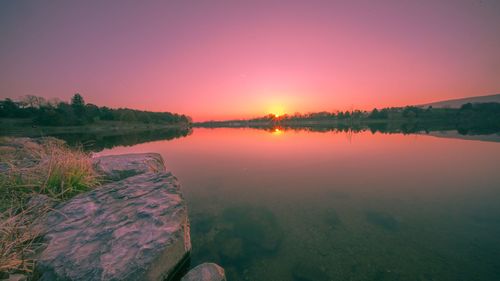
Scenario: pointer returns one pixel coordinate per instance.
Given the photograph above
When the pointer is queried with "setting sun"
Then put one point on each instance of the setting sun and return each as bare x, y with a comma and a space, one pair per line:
277, 111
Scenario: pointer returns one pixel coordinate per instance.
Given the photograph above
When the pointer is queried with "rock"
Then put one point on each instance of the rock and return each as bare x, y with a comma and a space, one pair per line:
4, 167
232, 248
118, 167
383, 220
257, 228
16, 277
205, 272
36, 211
133, 229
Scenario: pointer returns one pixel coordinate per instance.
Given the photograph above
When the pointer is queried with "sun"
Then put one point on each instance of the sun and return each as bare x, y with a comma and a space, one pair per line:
277, 111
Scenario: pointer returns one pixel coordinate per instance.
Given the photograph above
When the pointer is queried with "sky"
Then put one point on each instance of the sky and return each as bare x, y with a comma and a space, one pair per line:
238, 59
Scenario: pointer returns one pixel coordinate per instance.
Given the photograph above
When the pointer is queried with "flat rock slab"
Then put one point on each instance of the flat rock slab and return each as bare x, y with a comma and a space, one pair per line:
133, 229
205, 272
118, 167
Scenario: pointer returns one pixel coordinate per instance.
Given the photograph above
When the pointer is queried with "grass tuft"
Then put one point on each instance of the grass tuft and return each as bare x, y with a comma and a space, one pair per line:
47, 167
29, 167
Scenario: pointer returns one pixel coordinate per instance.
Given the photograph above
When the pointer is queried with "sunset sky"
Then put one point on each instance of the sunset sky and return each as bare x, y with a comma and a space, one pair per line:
238, 59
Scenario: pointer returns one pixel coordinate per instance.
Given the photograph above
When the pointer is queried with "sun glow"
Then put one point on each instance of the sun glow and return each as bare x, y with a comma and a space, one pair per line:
277, 111
277, 131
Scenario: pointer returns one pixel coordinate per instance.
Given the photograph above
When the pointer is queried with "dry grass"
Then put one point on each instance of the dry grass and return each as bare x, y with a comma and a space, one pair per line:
17, 241
45, 166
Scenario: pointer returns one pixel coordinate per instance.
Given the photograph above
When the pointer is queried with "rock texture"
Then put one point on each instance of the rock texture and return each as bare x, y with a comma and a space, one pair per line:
135, 228
205, 272
37, 210
118, 167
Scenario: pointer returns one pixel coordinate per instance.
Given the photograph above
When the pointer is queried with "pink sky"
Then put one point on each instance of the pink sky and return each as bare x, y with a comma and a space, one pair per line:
238, 59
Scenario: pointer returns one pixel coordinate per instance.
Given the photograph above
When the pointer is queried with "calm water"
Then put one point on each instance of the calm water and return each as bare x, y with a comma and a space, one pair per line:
338, 206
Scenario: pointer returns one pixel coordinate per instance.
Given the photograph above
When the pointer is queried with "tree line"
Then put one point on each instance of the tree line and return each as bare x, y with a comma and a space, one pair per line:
469, 112
470, 118
54, 112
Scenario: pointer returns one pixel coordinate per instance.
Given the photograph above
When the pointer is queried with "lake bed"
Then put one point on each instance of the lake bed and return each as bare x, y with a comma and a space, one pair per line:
299, 205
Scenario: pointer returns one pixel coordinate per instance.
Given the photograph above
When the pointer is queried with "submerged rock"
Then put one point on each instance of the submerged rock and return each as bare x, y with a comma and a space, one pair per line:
383, 220
205, 272
257, 227
133, 229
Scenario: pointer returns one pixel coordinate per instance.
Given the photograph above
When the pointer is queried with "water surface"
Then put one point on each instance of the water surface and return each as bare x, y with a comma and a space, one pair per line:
300, 205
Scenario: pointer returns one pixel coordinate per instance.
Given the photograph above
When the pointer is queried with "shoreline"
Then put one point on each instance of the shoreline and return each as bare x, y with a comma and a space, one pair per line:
23, 127
134, 198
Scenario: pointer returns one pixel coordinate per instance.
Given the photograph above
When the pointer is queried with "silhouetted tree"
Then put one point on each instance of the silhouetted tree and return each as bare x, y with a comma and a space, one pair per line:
8, 108
78, 105
32, 101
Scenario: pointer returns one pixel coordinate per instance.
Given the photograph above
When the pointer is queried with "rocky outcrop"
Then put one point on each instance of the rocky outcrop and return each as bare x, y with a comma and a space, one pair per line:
118, 167
205, 272
133, 228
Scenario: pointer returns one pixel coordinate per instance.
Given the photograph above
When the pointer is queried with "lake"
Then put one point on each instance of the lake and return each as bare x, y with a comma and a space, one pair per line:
302, 205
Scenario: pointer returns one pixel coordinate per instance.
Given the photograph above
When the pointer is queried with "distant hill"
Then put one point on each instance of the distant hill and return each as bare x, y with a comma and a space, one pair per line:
456, 103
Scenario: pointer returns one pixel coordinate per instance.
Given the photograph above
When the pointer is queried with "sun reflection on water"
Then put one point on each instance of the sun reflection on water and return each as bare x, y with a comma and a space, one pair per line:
277, 132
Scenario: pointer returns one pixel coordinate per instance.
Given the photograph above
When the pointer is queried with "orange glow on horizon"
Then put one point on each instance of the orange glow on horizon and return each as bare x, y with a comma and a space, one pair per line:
277, 110
251, 59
